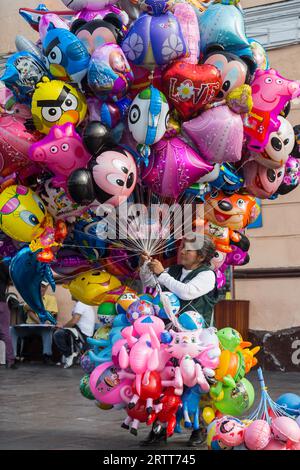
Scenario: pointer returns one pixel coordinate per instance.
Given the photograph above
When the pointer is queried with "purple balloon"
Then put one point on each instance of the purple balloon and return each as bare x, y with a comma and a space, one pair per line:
218, 134
173, 167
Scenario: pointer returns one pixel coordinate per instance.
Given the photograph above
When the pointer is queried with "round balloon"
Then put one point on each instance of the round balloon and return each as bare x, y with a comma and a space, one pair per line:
108, 388
237, 400
85, 387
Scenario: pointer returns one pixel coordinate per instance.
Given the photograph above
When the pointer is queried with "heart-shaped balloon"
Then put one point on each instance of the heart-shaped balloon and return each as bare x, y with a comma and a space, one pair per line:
190, 87
173, 167
218, 134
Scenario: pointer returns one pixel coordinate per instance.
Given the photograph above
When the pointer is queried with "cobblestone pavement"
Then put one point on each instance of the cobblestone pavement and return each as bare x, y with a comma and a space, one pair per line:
42, 408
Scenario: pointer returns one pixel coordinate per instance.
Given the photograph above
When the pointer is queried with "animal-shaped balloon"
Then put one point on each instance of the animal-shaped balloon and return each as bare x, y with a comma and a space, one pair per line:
27, 273
291, 176
22, 73
50, 21
155, 39
217, 133
109, 73
234, 71
95, 33
136, 414
228, 180
148, 119
66, 57
270, 93
55, 102
261, 181
62, 151
89, 287
89, 10
112, 173
173, 166
168, 405
190, 410
279, 146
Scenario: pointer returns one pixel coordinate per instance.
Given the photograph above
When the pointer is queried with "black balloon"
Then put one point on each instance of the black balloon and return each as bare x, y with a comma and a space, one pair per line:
81, 186
95, 137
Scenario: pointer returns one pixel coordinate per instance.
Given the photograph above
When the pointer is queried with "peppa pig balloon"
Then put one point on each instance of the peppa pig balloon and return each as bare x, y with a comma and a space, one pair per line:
218, 134
270, 93
173, 167
155, 39
62, 151
108, 388
109, 73
261, 181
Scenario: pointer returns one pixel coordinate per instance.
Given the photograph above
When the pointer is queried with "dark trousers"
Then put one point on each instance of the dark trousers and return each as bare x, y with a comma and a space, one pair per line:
66, 342
4, 332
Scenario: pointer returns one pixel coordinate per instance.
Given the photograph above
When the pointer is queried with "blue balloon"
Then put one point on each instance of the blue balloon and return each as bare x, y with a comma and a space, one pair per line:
228, 180
66, 56
23, 71
87, 237
27, 273
290, 402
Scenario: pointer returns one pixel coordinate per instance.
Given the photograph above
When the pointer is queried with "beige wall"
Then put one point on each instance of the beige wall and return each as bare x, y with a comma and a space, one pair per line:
256, 3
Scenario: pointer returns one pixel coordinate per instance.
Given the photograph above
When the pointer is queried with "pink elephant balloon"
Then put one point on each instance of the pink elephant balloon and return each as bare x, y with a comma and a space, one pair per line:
261, 181
218, 134
173, 167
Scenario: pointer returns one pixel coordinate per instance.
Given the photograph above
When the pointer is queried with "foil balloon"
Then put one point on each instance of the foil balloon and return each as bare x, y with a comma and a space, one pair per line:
261, 181
62, 151
90, 236
55, 103
22, 72
279, 146
218, 134
148, 119
15, 141
188, 21
234, 71
107, 387
24, 44
111, 178
8, 248
228, 180
191, 87
24, 267
95, 33
50, 21
70, 262
173, 167
34, 16
89, 287
109, 73
89, 10
224, 25
121, 263
66, 57
155, 39
22, 213
270, 93
291, 176
259, 54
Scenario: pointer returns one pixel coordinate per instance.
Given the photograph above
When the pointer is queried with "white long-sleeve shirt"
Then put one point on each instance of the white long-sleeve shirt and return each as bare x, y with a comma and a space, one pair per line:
200, 285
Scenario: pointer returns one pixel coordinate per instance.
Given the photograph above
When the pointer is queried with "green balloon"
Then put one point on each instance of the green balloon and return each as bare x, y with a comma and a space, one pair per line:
84, 387
237, 400
107, 309
229, 338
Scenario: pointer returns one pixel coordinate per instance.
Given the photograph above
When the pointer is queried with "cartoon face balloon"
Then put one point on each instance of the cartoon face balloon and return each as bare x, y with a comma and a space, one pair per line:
107, 387
148, 116
111, 179
291, 176
89, 287
23, 71
261, 181
22, 213
66, 56
109, 74
228, 180
95, 33
234, 71
56, 103
279, 146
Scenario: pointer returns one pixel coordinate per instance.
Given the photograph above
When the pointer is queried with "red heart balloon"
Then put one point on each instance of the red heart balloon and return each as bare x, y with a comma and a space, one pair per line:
190, 87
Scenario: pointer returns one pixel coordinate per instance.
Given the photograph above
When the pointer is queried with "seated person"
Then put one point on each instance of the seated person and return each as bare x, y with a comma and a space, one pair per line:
80, 327
33, 319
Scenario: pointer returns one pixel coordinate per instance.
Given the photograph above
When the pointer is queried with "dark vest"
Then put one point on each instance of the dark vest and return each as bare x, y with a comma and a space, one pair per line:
203, 304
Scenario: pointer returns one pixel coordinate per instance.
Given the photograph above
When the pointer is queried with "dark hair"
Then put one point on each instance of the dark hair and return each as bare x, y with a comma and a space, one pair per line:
208, 250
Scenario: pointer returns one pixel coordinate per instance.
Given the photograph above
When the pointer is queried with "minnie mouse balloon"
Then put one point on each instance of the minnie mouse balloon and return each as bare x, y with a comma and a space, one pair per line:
173, 167
218, 134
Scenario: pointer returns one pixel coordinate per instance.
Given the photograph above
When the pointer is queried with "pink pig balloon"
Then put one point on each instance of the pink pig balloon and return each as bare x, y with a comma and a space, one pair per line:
173, 167
62, 151
218, 134
270, 93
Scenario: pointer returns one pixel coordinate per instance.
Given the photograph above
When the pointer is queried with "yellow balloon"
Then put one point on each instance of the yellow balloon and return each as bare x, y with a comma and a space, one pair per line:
90, 287
220, 396
22, 213
208, 414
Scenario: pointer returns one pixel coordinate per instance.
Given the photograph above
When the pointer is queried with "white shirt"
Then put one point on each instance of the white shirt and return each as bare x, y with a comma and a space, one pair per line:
200, 285
87, 318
